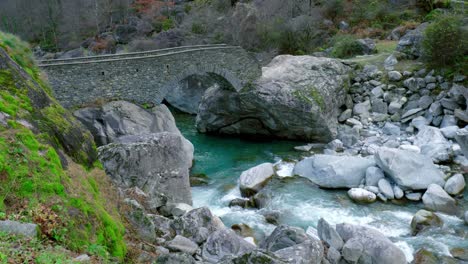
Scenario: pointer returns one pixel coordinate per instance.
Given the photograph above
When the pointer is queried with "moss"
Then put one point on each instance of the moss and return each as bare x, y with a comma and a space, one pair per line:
311, 96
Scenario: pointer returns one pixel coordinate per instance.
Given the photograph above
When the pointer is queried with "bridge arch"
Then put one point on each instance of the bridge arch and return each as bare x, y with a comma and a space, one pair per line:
146, 76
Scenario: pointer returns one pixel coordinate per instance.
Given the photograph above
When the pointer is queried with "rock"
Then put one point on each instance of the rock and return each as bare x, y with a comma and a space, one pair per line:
305, 148
449, 103
242, 202
449, 132
424, 256
197, 225
413, 196
423, 220
334, 171
448, 120
361, 195
386, 189
466, 217
410, 114
375, 245
414, 149
162, 227
348, 135
419, 122
16, 228
352, 250
460, 253
389, 64
462, 139
367, 45
362, 109
283, 237
425, 101
120, 118
391, 129
379, 106
410, 43
328, 234
408, 169
333, 255
82, 258
182, 244
398, 192
140, 221
436, 199
255, 256
373, 175
223, 243
310, 251
433, 144
254, 179
394, 76
297, 97
343, 25
158, 164
180, 209
394, 107
455, 184
345, 115
177, 258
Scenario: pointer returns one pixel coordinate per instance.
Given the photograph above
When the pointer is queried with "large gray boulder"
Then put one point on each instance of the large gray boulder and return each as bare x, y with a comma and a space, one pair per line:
328, 234
121, 118
433, 144
330, 171
182, 244
224, 243
16, 228
283, 237
462, 139
455, 184
410, 43
307, 252
376, 248
254, 179
197, 225
436, 199
158, 164
411, 171
297, 97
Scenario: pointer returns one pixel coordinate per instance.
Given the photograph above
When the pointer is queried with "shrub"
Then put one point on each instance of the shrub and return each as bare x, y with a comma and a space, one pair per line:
198, 28
333, 9
445, 45
167, 24
346, 46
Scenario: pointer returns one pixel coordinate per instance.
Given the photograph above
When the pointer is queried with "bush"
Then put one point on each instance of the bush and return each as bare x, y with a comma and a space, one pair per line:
198, 28
346, 46
333, 9
445, 45
167, 24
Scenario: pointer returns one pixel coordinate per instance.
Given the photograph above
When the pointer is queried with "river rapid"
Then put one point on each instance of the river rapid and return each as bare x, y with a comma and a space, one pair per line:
299, 202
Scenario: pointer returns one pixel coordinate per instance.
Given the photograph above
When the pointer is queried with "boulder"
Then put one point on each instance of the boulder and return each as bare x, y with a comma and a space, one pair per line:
386, 189
182, 244
367, 45
283, 237
375, 246
197, 225
121, 118
394, 76
158, 164
310, 251
410, 43
175, 258
224, 243
361, 195
455, 184
255, 256
423, 220
433, 144
140, 221
352, 250
254, 179
462, 139
328, 234
334, 171
436, 199
373, 175
297, 97
28, 230
411, 171
398, 192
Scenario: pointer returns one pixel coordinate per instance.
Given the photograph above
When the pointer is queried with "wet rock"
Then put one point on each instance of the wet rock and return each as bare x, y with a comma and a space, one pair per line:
436, 199
242, 202
223, 243
408, 169
182, 244
375, 245
423, 220
460, 253
455, 184
424, 256
328, 234
334, 171
16, 228
361, 195
158, 164
253, 180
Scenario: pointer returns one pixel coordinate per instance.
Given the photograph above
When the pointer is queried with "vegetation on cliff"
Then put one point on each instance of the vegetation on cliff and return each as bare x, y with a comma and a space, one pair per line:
48, 170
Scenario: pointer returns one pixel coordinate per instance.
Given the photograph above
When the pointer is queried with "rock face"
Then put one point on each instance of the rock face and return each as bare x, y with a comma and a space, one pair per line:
158, 164
17, 228
436, 199
120, 118
408, 169
410, 43
297, 97
334, 171
376, 248
223, 243
254, 179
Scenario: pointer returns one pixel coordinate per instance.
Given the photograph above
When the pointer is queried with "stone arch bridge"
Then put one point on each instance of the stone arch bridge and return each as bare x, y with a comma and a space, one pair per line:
146, 76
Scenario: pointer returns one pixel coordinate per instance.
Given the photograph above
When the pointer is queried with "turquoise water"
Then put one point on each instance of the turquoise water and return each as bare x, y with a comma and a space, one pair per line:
299, 202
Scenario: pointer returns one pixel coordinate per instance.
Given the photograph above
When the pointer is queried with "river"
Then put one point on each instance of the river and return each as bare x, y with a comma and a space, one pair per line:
299, 202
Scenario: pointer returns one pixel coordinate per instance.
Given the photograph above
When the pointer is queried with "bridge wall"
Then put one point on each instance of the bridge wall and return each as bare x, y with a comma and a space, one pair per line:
145, 77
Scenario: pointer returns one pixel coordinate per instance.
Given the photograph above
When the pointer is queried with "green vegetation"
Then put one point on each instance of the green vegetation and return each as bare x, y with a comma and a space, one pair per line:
73, 205
445, 45
346, 46
198, 28
167, 24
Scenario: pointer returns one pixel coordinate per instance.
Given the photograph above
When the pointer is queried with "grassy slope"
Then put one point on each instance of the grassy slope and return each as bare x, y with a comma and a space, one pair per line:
47, 175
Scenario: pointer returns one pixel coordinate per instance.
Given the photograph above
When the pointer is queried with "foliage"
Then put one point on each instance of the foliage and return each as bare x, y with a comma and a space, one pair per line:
429, 5
333, 9
167, 24
198, 28
345, 46
445, 44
